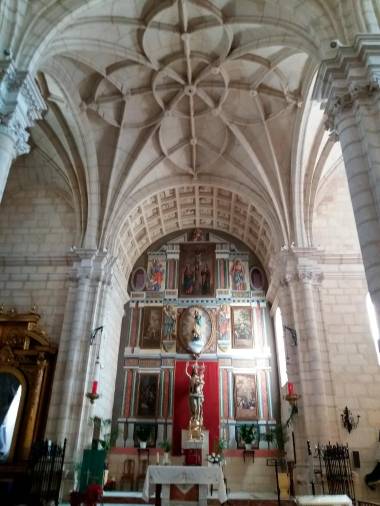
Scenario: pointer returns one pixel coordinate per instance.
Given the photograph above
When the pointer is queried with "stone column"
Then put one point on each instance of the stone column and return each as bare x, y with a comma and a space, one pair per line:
296, 277
349, 88
21, 104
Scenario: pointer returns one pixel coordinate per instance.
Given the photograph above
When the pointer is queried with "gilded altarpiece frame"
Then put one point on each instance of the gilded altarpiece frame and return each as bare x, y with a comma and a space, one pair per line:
27, 355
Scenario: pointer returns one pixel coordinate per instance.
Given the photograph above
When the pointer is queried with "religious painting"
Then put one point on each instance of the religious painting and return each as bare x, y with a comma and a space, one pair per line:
257, 278
242, 336
169, 322
239, 281
195, 329
245, 397
147, 395
156, 272
138, 279
152, 321
198, 235
196, 270
224, 323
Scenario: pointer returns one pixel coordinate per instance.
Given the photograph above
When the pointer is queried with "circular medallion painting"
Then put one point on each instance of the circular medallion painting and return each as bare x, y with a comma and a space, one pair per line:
195, 329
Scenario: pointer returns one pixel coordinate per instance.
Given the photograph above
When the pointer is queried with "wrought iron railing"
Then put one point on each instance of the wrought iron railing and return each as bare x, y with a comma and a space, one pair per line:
45, 471
332, 470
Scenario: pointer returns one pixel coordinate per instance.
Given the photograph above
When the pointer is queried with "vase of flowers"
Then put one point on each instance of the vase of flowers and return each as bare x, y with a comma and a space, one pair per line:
214, 458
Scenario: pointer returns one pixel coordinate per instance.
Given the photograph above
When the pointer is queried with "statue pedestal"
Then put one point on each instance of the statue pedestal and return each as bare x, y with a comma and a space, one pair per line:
195, 450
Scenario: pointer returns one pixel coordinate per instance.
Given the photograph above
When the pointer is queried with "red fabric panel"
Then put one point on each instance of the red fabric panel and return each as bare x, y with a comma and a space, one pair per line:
211, 418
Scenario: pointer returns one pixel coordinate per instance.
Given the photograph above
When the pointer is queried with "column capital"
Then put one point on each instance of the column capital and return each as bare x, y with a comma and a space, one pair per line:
294, 265
21, 104
353, 74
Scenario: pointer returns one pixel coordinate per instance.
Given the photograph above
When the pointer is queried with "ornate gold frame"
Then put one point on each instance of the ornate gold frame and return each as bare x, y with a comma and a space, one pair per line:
19, 375
25, 352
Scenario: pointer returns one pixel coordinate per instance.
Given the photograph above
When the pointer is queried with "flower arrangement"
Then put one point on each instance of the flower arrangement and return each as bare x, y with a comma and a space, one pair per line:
214, 458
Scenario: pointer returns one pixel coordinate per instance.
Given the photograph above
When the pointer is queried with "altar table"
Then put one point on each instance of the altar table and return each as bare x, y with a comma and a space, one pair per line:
164, 476
323, 500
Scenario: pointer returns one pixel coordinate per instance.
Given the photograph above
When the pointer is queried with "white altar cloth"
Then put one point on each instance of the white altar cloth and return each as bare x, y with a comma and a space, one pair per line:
184, 475
323, 500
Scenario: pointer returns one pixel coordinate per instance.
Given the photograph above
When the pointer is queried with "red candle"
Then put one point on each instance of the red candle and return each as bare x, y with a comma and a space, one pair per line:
94, 387
290, 388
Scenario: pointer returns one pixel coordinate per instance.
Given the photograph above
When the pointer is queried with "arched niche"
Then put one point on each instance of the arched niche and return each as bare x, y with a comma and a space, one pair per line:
27, 361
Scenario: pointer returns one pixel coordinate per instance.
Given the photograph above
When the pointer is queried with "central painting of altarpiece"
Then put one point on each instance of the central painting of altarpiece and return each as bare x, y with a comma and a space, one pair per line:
197, 296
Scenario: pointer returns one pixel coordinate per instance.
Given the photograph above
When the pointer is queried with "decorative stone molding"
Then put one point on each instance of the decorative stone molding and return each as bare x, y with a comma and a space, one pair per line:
21, 104
352, 75
294, 266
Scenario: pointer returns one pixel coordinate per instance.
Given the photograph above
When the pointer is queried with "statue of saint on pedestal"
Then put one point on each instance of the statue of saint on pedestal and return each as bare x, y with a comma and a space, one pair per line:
196, 398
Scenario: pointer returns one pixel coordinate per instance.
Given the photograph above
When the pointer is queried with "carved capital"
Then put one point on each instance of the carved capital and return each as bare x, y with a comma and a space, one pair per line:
351, 76
21, 104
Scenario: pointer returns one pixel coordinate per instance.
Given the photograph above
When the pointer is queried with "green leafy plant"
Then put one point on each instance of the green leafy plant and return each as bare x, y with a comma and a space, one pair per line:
269, 437
109, 436
166, 446
143, 433
280, 435
222, 445
247, 433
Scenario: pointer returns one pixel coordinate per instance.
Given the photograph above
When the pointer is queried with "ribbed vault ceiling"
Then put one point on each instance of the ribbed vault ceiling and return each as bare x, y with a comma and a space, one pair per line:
179, 113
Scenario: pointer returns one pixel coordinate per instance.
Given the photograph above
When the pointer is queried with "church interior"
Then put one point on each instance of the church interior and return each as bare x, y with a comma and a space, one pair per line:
189, 251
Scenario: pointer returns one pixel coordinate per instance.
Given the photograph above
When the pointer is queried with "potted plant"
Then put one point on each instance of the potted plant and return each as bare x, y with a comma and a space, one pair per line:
280, 436
166, 446
143, 433
247, 433
269, 437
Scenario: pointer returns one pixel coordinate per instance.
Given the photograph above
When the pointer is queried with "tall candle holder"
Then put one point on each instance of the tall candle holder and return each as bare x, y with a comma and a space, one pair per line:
292, 397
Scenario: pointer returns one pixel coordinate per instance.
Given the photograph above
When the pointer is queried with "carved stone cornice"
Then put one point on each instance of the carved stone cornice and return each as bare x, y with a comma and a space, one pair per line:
352, 75
21, 104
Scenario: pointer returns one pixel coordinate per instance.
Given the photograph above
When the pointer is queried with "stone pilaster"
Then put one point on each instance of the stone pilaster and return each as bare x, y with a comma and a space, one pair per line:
21, 104
349, 88
90, 303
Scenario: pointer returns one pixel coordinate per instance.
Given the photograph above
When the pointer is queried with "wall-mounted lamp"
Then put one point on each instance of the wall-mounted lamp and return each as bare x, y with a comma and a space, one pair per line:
348, 420
93, 395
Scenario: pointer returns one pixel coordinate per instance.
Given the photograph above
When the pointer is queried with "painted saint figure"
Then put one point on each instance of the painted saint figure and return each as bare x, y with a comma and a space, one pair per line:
188, 280
170, 316
205, 275
237, 276
156, 275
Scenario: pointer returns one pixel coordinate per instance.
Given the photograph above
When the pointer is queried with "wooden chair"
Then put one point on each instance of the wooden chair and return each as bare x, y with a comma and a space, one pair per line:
143, 467
128, 474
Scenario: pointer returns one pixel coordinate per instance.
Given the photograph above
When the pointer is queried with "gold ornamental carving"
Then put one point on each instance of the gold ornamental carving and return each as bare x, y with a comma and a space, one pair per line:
27, 355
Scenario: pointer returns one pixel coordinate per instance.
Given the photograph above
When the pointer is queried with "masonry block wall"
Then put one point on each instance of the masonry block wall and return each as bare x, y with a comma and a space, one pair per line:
352, 368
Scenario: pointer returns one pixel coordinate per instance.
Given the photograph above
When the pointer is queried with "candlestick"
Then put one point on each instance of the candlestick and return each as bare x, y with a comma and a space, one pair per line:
290, 388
